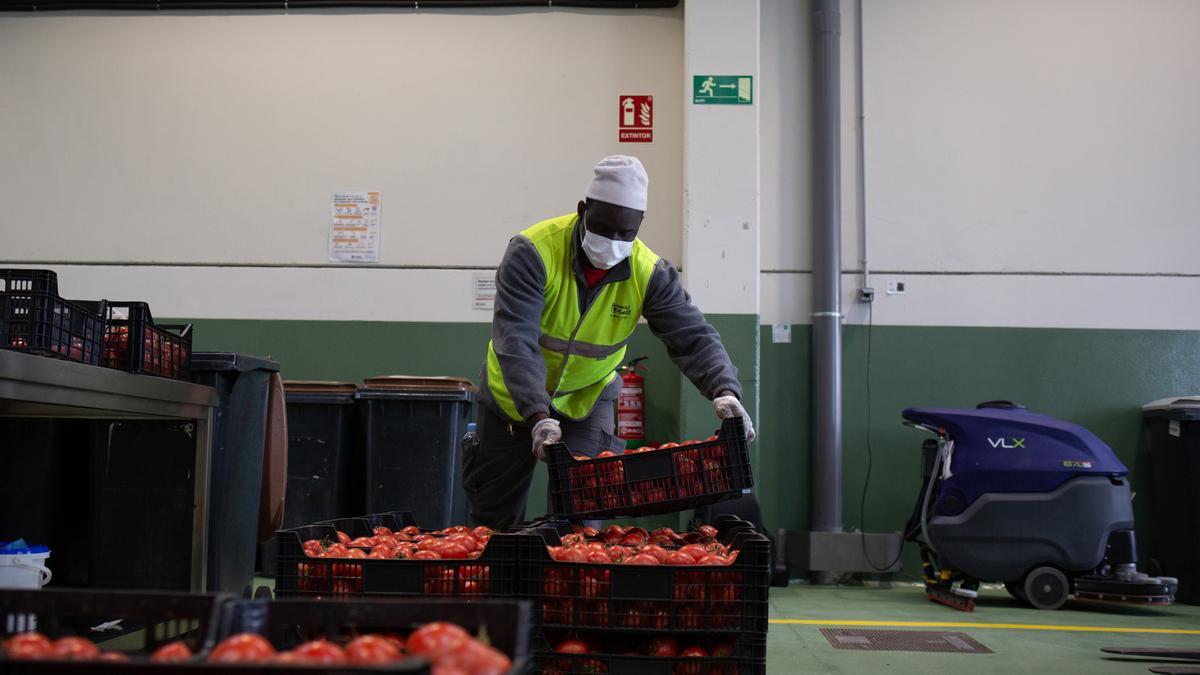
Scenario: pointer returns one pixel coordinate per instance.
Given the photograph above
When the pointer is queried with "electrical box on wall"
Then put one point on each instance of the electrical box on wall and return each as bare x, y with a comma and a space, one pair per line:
895, 288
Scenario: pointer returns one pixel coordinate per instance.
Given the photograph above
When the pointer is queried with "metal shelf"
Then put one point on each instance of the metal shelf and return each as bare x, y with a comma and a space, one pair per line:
37, 386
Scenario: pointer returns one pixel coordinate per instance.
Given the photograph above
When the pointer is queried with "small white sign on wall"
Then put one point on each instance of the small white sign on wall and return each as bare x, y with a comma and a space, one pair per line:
483, 285
354, 227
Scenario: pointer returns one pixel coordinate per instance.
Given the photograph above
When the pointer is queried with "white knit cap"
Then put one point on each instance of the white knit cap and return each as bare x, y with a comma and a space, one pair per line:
620, 180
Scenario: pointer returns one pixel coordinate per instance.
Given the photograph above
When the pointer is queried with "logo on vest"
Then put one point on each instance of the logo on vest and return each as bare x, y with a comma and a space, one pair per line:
621, 311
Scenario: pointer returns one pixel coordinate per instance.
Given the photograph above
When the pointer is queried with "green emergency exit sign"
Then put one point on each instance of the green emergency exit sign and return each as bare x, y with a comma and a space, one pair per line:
723, 89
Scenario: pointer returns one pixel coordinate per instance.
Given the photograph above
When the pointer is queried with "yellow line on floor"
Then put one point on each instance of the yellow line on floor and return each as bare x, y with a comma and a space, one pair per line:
971, 624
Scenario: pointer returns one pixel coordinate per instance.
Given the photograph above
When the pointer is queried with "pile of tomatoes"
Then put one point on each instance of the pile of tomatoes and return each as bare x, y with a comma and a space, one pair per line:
663, 647
162, 353
636, 546
410, 543
450, 649
704, 593
35, 646
601, 484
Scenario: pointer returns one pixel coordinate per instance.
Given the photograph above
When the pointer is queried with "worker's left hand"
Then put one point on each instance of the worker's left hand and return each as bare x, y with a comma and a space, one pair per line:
729, 407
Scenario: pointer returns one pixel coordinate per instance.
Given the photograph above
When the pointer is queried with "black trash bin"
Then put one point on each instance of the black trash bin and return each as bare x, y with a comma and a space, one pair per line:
1174, 426
235, 462
325, 473
413, 430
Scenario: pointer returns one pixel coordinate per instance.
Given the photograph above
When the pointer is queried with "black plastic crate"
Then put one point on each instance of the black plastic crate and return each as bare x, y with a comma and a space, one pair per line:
648, 483
494, 573
650, 598
33, 318
748, 656
156, 617
135, 344
290, 622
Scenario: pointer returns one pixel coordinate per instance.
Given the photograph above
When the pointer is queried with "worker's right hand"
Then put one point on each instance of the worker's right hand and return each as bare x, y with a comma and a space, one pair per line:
545, 432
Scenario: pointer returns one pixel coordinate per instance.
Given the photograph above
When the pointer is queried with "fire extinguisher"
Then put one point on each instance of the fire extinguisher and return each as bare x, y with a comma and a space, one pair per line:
631, 415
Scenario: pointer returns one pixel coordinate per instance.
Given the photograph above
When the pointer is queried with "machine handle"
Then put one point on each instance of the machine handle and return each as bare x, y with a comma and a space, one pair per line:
1010, 405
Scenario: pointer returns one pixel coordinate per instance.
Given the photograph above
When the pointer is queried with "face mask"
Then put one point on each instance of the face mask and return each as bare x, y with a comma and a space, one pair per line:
603, 252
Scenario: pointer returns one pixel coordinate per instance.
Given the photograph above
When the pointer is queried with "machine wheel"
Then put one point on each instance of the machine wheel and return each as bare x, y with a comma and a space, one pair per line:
1017, 590
1046, 588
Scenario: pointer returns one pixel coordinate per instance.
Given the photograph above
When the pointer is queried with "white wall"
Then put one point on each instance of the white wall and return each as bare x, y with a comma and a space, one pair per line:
1027, 163
214, 139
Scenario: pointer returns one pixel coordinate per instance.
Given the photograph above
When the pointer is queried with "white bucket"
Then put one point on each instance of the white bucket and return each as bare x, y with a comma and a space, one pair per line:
25, 568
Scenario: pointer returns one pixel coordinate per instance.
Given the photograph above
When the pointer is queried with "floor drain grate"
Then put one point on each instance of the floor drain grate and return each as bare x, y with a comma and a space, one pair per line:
903, 641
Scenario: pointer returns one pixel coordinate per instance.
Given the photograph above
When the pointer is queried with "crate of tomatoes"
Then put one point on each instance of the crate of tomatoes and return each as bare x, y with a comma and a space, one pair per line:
66, 630
483, 637
558, 653
712, 580
386, 554
35, 319
648, 480
134, 343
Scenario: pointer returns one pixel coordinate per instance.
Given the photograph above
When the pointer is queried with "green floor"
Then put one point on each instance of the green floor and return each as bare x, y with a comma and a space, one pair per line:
1047, 645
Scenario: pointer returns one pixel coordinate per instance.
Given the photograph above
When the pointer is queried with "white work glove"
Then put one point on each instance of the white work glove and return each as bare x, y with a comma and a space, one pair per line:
545, 432
729, 407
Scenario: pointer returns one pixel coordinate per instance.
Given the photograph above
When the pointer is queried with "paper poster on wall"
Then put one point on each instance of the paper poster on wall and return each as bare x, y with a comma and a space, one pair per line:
354, 227
483, 285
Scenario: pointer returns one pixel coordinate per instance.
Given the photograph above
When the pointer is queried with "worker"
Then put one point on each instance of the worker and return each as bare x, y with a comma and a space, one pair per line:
569, 293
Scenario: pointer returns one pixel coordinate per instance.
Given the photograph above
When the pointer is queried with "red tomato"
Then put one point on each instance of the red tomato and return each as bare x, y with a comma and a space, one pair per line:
382, 531
457, 529
32, 645
113, 656
618, 553
481, 531
708, 531
320, 651
641, 559
694, 652
475, 658
633, 539
343, 538
600, 557
711, 560
575, 555
411, 530
573, 647
437, 638
723, 649
74, 649
394, 638
242, 648
668, 446
366, 542
677, 558
172, 651
425, 555
696, 551
590, 532
664, 647
451, 550
660, 554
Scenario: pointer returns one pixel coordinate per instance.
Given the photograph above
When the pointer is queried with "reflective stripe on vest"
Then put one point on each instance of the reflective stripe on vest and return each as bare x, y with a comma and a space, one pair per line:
581, 352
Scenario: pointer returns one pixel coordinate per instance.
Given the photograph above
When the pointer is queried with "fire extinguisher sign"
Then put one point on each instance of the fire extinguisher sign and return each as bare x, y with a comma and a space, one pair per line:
635, 118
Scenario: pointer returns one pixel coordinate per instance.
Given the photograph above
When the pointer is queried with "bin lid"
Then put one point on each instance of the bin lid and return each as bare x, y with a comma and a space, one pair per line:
419, 383
318, 387
232, 361
417, 388
313, 391
1175, 407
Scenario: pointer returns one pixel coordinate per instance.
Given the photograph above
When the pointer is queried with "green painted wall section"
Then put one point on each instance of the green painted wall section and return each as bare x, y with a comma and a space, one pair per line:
353, 350
1096, 378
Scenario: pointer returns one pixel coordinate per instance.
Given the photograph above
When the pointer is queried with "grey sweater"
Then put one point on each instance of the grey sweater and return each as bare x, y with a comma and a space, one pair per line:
692, 343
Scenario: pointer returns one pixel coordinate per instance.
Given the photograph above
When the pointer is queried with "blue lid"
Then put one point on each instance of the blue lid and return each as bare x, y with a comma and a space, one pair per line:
470, 427
19, 547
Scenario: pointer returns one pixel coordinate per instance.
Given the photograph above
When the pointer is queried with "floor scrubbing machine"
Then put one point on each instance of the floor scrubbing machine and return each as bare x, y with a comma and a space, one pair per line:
1042, 505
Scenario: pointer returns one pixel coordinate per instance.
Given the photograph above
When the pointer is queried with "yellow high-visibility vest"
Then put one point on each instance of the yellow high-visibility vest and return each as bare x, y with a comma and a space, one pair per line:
581, 349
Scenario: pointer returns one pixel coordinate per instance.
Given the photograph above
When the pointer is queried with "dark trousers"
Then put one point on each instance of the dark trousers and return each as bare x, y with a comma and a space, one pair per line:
497, 474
